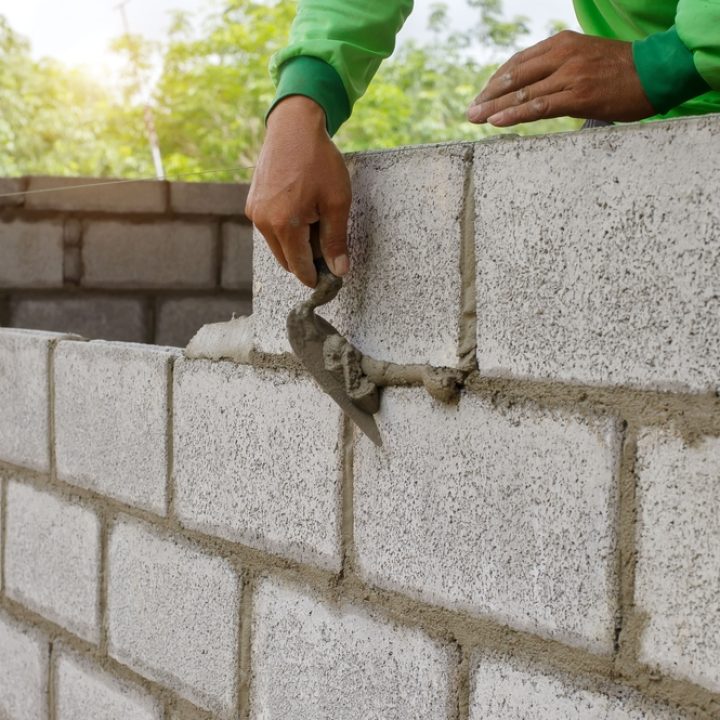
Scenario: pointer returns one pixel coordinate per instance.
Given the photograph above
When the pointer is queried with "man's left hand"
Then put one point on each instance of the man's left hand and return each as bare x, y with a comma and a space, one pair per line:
568, 74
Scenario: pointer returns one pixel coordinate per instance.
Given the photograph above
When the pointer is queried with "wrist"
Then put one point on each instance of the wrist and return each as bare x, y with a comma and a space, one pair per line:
298, 111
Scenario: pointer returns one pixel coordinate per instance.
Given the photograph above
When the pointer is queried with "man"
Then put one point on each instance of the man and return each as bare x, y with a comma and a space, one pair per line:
639, 59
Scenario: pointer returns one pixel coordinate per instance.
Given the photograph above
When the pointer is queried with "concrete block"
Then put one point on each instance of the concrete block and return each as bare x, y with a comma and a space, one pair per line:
52, 559
258, 460
507, 513
92, 316
677, 585
314, 660
173, 615
107, 196
111, 420
9, 187
24, 398
83, 691
203, 198
178, 319
505, 689
592, 265
149, 255
32, 254
402, 301
23, 680
237, 256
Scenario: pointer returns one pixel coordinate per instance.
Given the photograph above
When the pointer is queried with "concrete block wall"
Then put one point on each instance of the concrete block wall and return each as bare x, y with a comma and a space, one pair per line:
195, 540
147, 262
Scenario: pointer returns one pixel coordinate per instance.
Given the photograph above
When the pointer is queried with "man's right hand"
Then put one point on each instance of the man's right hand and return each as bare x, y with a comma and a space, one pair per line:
301, 179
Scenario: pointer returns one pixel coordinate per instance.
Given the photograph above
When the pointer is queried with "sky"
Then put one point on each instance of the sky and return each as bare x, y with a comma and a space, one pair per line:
78, 32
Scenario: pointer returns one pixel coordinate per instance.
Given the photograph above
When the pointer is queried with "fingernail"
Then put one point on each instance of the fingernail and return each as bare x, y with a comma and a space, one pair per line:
474, 113
339, 265
497, 118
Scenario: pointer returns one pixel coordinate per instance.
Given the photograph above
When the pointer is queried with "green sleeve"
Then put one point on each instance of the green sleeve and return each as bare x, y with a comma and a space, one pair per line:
698, 26
335, 49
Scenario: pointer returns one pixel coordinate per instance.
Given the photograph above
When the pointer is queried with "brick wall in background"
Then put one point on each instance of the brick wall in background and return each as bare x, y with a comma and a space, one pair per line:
194, 540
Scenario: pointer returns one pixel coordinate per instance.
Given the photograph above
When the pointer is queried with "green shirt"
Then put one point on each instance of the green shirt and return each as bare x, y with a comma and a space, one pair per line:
337, 46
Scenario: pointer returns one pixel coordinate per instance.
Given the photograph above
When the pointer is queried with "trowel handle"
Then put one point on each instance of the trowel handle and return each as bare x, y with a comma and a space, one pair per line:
318, 259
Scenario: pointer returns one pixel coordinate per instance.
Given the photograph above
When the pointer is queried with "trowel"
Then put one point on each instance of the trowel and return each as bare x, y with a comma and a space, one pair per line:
328, 356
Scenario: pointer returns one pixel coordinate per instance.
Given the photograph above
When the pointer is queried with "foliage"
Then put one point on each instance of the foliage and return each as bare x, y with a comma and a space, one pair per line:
209, 88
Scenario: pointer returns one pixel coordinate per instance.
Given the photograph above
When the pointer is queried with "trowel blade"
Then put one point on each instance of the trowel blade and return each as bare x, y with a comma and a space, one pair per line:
307, 334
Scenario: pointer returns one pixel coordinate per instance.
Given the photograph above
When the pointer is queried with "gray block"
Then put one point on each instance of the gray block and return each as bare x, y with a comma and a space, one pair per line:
107, 196
327, 662
506, 513
506, 689
203, 198
83, 691
111, 420
149, 255
173, 615
92, 316
402, 300
678, 569
24, 397
32, 254
52, 559
237, 263
178, 319
23, 680
598, 257
258, 459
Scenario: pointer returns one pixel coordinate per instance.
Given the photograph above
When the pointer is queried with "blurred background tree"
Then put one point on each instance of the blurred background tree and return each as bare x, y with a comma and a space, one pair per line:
208, 86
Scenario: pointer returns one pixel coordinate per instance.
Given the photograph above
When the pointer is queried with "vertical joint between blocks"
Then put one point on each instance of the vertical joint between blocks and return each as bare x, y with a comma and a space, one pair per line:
347, 499
245, 646
468, 298
169, 442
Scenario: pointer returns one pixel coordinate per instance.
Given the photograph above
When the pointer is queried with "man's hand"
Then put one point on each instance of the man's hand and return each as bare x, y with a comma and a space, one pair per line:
568, 74
301, 179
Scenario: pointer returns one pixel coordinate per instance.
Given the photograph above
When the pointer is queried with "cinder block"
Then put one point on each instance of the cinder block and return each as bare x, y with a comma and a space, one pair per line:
173, 615
92, 316
52, 559
107, 195
598, 257
32, 254
111, 420
24, 397
23, 680
314, 660
258, 459
237, 257
678, 569
149, 255
9, 187
402, 301
83, 691
505, 689
203, 198
178, 319
507, 513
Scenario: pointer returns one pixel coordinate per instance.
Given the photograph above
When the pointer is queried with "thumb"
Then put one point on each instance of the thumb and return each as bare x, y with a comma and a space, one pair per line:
333, 239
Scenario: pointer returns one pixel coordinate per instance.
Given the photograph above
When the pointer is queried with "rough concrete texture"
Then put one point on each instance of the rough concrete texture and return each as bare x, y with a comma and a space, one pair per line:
402, 300
24, 398
507, 513
231, 340
126, 197
149, 255
327, 662
23, 680
54, 569
504, 689
92, 316
32, 254
237, 264
601, 266
173, 614
111, 420
84, 691
678, 569
203, 198
258, 459
178, 319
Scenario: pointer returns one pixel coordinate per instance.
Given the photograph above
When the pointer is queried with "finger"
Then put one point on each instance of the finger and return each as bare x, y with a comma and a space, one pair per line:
295, 243
547, 86
333, 236
274, 245
548, 106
